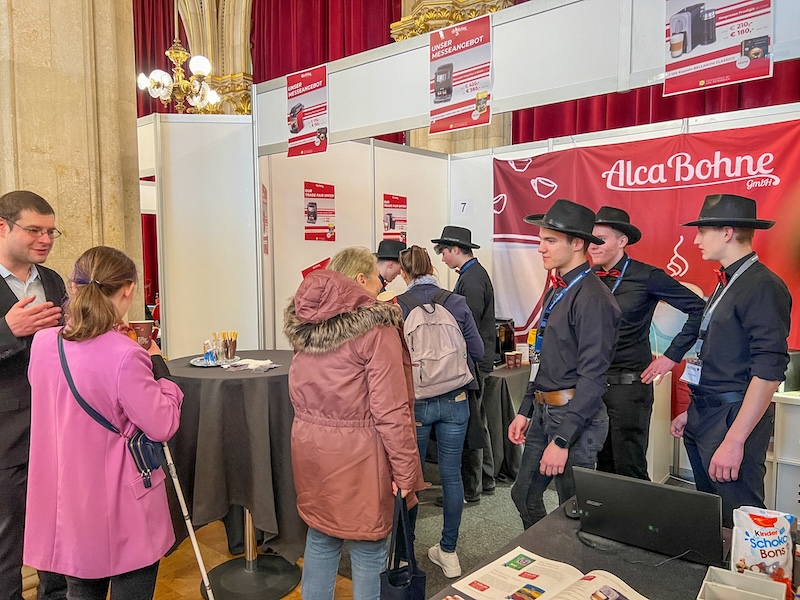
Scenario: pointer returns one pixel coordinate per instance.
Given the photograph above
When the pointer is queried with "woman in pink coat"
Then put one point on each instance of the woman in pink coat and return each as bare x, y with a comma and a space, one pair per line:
90, 516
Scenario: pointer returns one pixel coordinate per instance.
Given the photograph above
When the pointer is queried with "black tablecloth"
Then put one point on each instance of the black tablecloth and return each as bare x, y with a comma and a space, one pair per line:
233, 447
502, 396
554, 537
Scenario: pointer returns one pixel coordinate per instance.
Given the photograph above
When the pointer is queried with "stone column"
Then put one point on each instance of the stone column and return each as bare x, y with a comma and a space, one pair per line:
423, 16
68, 121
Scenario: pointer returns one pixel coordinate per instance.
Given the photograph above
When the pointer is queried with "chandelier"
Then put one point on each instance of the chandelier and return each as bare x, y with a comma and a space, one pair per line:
194, 90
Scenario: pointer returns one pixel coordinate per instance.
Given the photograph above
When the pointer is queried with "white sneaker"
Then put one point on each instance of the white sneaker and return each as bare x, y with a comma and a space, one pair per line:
448, 561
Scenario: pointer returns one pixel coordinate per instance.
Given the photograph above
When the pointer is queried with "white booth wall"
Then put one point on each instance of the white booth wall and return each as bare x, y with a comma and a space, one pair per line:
206, 210
361, 173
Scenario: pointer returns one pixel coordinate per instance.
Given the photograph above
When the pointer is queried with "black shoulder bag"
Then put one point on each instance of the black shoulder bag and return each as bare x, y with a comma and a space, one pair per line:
147, 454
406, 582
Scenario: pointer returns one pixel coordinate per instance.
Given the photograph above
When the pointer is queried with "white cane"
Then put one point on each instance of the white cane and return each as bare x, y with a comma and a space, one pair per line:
188, 521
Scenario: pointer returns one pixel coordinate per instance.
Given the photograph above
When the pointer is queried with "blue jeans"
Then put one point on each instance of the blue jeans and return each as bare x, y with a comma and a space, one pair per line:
449, 416
529, 487
321, 563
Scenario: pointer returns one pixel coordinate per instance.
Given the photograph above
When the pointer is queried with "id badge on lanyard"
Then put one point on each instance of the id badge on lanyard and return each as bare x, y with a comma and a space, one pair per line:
691, 374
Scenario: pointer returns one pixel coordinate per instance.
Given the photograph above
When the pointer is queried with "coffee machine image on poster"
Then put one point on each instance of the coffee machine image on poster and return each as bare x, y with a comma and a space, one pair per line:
443, 83
311, 212
296, 118
690, 28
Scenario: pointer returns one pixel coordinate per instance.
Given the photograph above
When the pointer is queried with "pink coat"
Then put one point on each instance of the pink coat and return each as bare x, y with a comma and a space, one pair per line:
89, 514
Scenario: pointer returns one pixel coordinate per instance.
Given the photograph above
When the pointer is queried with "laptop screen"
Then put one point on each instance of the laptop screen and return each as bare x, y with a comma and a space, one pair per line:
662, 518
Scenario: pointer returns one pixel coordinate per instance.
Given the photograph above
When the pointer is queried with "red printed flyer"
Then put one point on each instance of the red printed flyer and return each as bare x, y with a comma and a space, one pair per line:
307, 111
717, 43
319, 210
395, 217
461, 76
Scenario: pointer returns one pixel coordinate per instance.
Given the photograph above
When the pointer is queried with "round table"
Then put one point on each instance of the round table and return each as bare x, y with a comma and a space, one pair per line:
233, 447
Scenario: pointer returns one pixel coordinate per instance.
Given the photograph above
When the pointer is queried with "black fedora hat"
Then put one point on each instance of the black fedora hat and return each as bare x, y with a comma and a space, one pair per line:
720, 210
567, 217
618, 219
390, 250
456, 236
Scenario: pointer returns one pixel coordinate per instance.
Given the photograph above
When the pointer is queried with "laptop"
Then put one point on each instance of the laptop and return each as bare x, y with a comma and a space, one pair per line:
662, 518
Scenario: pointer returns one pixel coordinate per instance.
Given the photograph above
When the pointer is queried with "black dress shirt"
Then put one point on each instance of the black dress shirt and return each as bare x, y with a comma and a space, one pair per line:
747, 335
476, 287
638, 294
576, 350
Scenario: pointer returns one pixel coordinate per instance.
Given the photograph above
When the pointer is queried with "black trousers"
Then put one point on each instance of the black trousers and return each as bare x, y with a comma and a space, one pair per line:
477, 463
704, 432
13, 487
629, 410
133, 585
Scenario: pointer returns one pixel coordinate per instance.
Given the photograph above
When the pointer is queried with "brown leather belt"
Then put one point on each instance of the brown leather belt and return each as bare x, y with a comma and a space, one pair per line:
557, 398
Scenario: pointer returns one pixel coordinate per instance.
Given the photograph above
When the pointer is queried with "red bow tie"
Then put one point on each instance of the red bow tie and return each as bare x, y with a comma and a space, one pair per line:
611, 273
722, 277
556, 281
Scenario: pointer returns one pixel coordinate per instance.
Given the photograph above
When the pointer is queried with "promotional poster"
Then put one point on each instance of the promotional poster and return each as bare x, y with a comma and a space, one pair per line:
461, 76
395, 217
307, 111
717, 42
319, 211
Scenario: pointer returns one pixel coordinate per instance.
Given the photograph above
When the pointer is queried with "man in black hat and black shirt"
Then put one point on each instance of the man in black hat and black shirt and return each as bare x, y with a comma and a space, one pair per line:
477, 464
388, 256
637, 287
562, 419
742, 358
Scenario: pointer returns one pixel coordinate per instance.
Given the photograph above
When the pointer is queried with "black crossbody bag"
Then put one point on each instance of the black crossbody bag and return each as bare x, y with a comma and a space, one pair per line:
147, 454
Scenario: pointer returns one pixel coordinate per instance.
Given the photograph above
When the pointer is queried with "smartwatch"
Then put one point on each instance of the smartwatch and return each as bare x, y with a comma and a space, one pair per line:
561, 441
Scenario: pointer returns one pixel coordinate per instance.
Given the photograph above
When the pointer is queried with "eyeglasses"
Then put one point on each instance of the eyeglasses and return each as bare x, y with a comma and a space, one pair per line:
35, 232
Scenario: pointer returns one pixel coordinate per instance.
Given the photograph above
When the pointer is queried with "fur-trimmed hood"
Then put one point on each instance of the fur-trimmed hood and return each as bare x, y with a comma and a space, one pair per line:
330, 309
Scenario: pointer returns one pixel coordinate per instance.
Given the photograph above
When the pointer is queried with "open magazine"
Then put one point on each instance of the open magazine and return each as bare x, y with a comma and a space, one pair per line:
522, 575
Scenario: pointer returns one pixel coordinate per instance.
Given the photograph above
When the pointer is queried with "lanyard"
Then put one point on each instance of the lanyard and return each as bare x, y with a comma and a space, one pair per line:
711, 307
621, 274
546, 314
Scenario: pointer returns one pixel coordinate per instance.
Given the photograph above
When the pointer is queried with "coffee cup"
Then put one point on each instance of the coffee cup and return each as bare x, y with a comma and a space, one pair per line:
511, 361
524, 351
517, 359
144, 332
676, 44
388, 296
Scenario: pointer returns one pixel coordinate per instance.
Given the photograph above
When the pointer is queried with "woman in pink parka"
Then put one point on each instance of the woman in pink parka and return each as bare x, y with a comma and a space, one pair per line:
89, 514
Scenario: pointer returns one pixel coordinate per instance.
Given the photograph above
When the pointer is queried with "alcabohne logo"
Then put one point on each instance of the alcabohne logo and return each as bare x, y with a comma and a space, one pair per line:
681, 170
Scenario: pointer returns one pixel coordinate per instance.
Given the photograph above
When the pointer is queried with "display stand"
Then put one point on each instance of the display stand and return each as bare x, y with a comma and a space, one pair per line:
253, 576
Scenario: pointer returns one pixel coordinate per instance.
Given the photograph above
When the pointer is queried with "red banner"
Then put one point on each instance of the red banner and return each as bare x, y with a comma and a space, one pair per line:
307, 111
660, 183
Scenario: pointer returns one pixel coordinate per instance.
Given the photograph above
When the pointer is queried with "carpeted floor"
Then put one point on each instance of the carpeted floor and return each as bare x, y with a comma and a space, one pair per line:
485, 527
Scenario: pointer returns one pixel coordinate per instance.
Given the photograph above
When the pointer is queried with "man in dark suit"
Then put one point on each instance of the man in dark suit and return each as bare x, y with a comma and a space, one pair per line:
30, 300
477, 463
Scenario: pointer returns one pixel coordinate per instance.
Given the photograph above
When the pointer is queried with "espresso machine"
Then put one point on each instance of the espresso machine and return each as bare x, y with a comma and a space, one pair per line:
689, 21
504, 339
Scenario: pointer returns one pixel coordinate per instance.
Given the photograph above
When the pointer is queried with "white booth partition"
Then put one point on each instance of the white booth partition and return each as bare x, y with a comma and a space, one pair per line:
360, 173
209, 266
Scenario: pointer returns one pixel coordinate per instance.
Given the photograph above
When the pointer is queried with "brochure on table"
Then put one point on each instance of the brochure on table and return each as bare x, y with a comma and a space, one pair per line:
522, 575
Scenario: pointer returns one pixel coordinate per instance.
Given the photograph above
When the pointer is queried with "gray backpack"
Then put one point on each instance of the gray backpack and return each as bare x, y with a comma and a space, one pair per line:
437, 346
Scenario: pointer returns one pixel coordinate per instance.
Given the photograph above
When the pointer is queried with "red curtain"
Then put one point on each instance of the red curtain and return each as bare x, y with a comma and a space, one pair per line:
288, 35
647, 105
149, 258
153, 32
